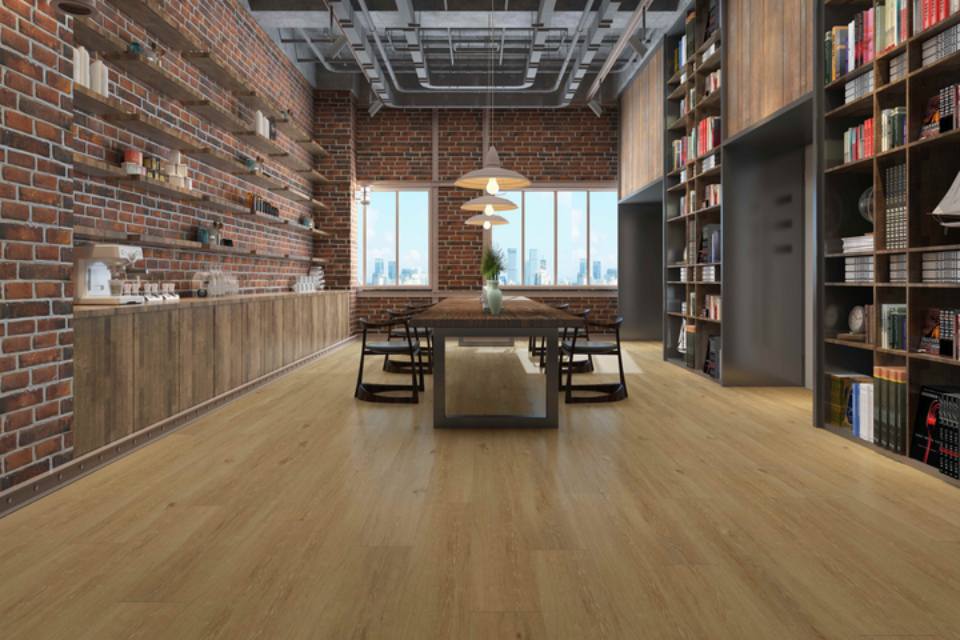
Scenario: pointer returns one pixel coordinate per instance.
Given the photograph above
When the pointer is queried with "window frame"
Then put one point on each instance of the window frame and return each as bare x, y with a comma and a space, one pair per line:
362, 233
488, 242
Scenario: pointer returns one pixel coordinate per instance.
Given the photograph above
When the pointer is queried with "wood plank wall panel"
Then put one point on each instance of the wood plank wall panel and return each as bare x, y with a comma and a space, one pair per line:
156, 355
228, 354
767, 58
641, 127
135, 369
103, 379
197, 356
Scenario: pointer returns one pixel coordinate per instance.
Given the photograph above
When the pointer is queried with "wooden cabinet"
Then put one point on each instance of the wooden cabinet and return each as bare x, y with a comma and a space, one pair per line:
137, 367
641, 128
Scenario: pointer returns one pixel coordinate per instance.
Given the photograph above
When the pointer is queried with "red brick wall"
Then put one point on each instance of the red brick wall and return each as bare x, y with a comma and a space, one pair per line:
36, 356
231, 31
336, 127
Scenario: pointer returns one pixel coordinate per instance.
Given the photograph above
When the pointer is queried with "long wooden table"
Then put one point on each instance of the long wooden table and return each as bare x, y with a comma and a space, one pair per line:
520, 317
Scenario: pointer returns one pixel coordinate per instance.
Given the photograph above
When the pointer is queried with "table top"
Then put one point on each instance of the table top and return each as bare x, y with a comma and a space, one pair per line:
517, 313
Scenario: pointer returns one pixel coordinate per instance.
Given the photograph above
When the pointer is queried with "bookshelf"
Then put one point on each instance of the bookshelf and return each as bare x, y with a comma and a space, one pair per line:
909, 169
693, 205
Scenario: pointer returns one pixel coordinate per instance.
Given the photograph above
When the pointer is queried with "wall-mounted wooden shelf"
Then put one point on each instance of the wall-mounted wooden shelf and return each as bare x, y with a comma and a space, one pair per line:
291, 194
92, 102
222, 205
217, 69
313, 146
292, 162
315, 175
264, 145
153, 129
217, 115
162, 189
155, 76
219, 159
259, 178
153, 17
256, 100
87, 33
90, 166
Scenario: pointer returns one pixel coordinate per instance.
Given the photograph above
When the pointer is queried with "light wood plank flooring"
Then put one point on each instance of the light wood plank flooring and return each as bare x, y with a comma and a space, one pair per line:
689, 511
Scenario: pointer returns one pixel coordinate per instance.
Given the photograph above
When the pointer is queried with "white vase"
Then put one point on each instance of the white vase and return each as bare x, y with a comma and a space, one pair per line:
494, 297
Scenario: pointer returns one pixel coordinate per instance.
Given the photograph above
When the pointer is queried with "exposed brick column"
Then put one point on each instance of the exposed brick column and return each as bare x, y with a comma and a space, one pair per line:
36, 208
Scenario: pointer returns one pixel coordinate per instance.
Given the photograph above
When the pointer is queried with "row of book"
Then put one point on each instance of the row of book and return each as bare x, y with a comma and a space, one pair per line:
705, 136
893, 128
710, 274
940, 267
710, 247
711, 307
858, 244
891, 23
857, 88
940, 46
850, 46
893, 326
898, 268
711, 83
687, 205
858, 269
712, 195
895, 206
710, 162
927, 13
679, 154
858, 142
874, 409
897, 69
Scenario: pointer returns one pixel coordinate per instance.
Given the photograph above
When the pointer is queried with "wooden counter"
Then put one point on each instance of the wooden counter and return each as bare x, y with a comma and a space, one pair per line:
138, 365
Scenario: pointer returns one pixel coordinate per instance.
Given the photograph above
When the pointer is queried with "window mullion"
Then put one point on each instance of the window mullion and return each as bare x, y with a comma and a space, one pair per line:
396, 240
556, 239
589, 263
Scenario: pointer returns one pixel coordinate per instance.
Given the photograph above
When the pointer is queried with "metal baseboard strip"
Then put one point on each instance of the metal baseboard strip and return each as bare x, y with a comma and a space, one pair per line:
46, 483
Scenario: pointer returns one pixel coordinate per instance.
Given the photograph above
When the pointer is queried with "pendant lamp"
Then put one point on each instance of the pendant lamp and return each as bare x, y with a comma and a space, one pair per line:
488, 204
487, 221
947, 212
492, 177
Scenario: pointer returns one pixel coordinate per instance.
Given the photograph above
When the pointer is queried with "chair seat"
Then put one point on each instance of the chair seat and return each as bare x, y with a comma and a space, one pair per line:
590, 348
391, 348
401, 334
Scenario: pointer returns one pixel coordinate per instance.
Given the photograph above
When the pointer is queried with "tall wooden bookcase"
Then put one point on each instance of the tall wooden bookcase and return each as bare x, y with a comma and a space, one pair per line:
931, 165
688, 102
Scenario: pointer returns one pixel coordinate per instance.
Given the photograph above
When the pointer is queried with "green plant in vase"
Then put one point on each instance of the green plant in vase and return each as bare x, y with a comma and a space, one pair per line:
491, 267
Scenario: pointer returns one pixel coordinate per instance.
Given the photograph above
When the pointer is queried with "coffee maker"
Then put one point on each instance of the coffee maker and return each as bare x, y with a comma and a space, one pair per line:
95, 265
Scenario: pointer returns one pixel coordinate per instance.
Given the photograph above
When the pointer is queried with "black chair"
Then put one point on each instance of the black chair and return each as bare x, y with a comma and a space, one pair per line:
578, 366
423, 336
409, 347
538, 346
609, 392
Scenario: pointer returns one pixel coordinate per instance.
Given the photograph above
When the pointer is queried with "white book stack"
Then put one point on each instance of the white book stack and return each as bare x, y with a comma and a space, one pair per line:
898, 268
941, 267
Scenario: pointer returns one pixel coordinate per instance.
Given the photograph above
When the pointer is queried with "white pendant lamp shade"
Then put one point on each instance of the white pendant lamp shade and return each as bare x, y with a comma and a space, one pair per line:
948, 211
493, 178
487, 221
489, 203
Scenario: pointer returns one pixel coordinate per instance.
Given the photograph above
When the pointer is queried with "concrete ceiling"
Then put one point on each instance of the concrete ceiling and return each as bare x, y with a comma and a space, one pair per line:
449, 53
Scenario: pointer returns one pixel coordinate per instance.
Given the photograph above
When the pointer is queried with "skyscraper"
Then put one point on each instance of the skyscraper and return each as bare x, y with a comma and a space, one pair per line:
378, 276
533, 265
513, 266
597, 274
582, 273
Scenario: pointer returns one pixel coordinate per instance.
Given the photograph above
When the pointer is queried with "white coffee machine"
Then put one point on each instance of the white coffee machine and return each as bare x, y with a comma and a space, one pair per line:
95, 266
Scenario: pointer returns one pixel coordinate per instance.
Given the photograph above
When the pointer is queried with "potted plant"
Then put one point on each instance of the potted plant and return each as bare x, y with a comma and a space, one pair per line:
491, 267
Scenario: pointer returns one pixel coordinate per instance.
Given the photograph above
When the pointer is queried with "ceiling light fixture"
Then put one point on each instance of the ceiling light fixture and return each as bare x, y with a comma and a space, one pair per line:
492, 177
488, 203
487, 221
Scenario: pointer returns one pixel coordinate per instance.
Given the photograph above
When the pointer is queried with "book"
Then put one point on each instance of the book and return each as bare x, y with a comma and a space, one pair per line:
893, 318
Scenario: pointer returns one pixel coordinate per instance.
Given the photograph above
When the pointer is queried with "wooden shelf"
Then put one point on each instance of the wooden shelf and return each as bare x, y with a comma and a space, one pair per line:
162, 189
217, 115
847, 77
155, 76
263, 145
850, 343
319, 204
857, 166
862, 106
87, 33
929, 357
291, 194
92, 102
153, 129
218, 159
151, 15
292, 162
222, 205
216, 69
90, 166
256, 101
313, 146
315, 175
258, 178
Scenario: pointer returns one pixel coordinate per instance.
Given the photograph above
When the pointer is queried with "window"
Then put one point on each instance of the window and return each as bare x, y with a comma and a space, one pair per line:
563, 238
395, 239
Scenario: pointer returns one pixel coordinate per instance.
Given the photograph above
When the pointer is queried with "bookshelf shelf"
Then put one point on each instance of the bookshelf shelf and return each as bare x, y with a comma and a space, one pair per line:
692, 228
903, 312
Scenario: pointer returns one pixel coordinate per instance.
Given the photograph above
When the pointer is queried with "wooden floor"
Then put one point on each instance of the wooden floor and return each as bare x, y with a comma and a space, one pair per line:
689, 511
